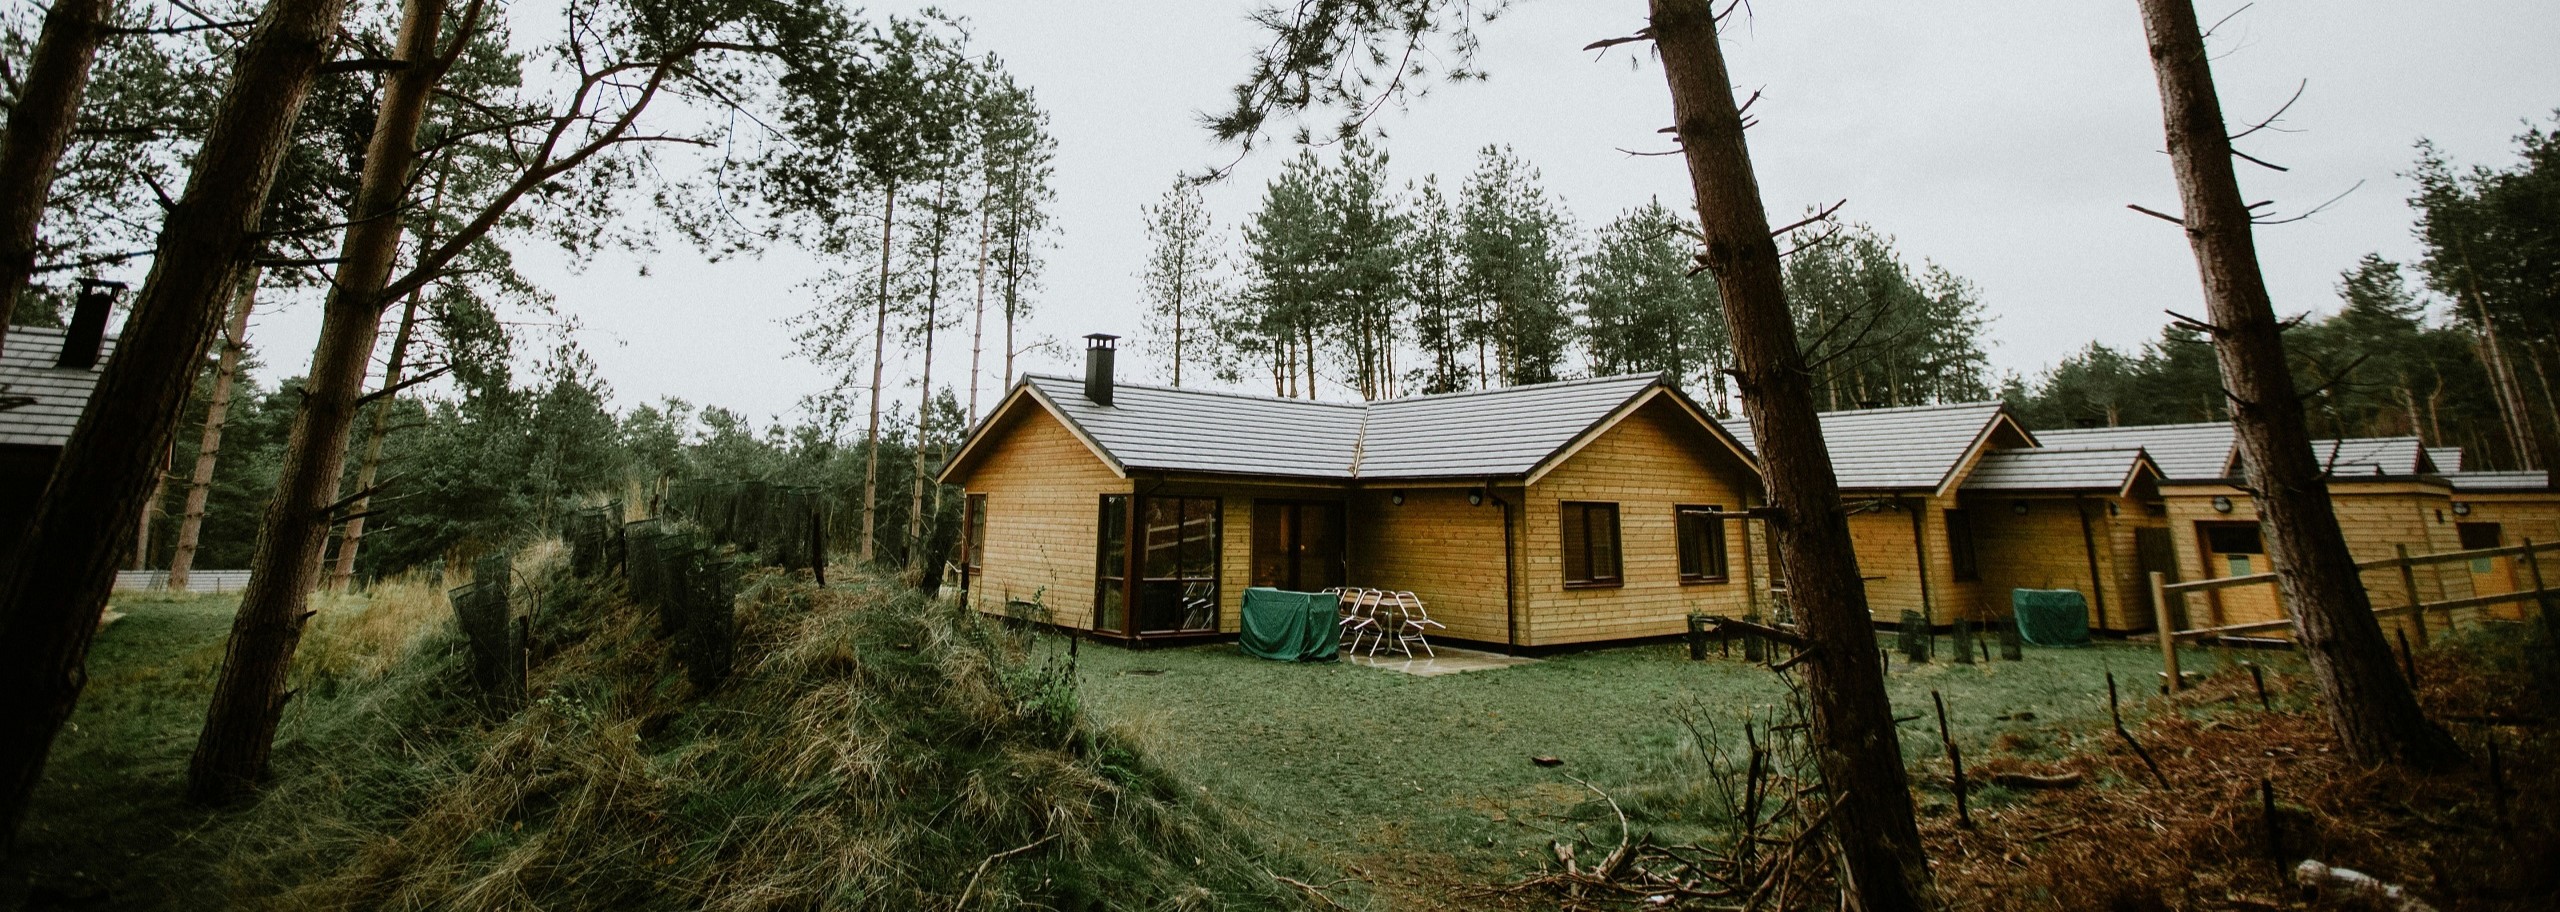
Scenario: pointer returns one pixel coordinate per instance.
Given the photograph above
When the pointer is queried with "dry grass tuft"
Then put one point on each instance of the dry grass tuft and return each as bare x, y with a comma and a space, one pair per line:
873, 751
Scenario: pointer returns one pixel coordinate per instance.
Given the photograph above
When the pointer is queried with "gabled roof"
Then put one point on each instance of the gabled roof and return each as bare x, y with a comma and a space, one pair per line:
1188, 430
2357, 457
1503, 433
1920, 447
2184, 452
2499, 481
2111, 470
2447, 459
1490, 433
40, 403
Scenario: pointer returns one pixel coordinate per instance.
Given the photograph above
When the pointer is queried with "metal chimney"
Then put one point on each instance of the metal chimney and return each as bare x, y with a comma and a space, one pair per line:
88, 331
1099, 351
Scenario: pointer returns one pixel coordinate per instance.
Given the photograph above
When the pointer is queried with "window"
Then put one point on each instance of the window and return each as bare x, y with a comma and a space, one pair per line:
2238, 543
974, 555
1590, 532
1960, 546
1701, 534
2480, 535
1111, 570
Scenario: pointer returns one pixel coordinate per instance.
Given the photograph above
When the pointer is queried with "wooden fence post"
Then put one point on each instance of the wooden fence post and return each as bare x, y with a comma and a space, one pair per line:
2409, 587
2541, 596
2168, 632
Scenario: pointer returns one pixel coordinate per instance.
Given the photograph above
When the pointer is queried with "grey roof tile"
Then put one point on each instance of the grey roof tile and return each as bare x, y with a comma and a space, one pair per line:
1493, 433
1489, 433
59, 395
2447, 459
1186, 430
2054, 470
1898, 449
2499, 481
2184, 452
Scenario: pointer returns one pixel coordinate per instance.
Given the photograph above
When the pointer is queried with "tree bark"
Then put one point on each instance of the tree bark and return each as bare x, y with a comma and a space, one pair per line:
2369, 703
57, 583
879, 352
351, 538
40, 123
209, 448
239, 728
1882, 862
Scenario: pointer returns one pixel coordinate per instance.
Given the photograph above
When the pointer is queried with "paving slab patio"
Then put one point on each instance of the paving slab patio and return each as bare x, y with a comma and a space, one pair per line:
1443, 660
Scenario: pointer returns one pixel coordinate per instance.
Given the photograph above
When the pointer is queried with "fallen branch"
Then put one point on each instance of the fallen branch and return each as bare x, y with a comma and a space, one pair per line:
972, 886
2357, 885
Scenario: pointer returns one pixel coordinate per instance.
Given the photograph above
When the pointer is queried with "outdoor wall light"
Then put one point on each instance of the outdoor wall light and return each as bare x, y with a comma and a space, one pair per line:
2462, 509
2111, 508
2221, 503
1475, 497
1396, 498
2018, 507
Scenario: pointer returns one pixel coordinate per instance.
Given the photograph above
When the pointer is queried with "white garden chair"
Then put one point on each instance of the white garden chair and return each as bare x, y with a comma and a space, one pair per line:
1411, 619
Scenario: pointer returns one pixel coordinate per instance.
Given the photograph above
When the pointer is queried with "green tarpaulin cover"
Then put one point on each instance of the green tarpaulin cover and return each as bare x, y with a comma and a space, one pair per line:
2051, 617
1290, 626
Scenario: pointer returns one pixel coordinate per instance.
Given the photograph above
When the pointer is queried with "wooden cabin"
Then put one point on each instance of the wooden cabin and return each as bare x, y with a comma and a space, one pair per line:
1931, 540
46, 378
2388, 494
2059, 518
1535, 516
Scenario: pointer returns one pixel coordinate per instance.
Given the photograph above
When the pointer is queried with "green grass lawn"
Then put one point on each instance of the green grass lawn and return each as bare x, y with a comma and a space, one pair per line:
109, 811
1405, 780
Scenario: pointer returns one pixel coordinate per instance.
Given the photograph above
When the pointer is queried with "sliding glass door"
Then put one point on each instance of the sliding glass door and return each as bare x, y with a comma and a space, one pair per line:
1168, 583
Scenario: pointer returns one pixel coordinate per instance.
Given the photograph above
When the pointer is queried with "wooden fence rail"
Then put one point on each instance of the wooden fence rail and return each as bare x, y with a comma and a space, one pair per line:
2405, 563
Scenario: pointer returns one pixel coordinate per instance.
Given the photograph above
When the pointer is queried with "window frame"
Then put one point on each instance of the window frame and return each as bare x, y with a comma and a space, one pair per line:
1716, 551
1964, 560
973, 539
1578, 513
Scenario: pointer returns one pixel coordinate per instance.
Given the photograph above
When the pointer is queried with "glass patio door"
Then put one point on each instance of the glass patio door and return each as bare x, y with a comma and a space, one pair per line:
1297, 545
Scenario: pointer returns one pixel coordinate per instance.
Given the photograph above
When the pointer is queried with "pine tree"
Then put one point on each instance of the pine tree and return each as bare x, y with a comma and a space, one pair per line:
1643, 311
1440, 307
1514, 243
1180, 285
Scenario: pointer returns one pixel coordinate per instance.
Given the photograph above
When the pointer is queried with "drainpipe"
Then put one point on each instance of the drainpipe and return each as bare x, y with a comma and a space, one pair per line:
1510, 597
1920, 551
2089, 544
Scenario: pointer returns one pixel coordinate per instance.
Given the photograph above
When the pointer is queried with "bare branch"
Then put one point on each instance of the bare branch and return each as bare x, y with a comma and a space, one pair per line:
2154, 213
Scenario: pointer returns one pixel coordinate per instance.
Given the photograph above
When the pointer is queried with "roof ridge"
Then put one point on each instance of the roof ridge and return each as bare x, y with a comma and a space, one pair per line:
1195, 391
1578, 381
1940, 406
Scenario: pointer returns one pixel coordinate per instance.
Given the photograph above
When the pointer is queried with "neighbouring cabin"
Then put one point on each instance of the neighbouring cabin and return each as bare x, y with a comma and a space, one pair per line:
1535, 516
2084, 519
46, 378
1951, 507
2389, 494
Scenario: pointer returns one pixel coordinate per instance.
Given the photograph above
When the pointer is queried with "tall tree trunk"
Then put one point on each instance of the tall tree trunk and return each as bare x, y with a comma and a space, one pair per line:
57, 583
1881, 861
924, 385
879, 352
351, 538
152, 505
40, 122
978, 318
2369, 703
239, 727
200, 482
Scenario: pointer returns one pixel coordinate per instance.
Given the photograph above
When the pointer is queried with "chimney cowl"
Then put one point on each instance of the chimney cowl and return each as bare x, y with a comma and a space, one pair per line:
1100, 349
85, 339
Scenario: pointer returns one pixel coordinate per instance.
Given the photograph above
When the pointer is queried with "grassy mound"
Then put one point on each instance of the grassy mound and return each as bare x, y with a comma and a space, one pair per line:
872, 750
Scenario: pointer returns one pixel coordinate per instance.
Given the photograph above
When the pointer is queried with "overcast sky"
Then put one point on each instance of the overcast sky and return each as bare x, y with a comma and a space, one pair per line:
1999, 138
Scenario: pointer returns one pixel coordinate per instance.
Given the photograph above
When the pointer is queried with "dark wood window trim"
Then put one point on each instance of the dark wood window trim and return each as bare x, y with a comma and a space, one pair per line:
1714, 564
1593, 556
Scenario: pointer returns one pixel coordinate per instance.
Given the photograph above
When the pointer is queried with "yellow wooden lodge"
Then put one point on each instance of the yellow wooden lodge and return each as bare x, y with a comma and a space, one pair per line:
1534, 516
1608, 509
